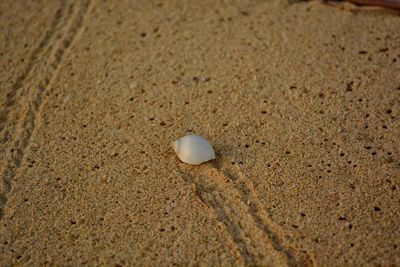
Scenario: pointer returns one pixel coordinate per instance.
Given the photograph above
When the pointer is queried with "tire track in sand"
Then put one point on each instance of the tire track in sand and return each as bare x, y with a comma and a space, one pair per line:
31, 109
235, 203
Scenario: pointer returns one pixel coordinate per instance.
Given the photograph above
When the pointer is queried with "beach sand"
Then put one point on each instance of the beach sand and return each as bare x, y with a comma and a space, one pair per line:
299, 99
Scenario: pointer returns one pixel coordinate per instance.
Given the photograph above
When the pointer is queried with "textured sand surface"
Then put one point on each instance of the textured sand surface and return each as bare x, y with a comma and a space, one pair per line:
300, 100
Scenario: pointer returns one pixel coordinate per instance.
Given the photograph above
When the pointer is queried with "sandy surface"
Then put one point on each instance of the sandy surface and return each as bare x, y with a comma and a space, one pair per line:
300, 100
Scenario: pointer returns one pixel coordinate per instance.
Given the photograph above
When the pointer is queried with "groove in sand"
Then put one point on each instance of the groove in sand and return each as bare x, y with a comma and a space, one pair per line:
28, 123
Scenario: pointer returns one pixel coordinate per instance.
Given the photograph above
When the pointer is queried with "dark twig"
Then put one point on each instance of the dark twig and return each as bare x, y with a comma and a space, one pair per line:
394, 4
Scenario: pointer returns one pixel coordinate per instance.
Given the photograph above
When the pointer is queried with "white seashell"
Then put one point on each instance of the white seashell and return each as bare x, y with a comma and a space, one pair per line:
193, 149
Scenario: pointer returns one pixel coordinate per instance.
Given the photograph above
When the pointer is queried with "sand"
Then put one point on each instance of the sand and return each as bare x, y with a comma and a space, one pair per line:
299, 99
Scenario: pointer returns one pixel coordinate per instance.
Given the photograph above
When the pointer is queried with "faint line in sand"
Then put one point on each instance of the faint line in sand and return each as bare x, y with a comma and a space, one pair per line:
216, 190
270, 228
17, 85
27, 125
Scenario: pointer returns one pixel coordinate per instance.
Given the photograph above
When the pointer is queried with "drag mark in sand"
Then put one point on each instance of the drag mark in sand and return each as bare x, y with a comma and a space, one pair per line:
234, 202
66, 27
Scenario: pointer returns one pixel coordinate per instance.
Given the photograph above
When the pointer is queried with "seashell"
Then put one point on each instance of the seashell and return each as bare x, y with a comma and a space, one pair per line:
193, 149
